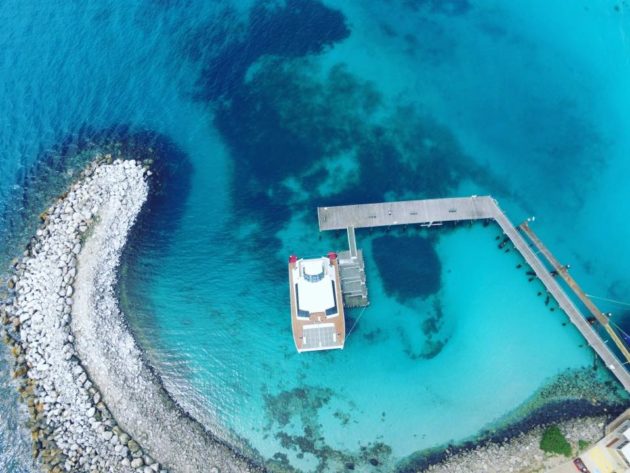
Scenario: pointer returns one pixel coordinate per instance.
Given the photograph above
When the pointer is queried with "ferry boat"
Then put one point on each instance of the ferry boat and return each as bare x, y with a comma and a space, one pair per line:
317, 316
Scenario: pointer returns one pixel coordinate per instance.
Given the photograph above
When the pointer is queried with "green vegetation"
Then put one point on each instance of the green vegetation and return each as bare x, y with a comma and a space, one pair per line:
583, 445
553, 441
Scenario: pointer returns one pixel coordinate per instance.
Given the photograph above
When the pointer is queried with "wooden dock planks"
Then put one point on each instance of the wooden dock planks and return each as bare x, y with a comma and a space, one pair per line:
427, 212
436, 211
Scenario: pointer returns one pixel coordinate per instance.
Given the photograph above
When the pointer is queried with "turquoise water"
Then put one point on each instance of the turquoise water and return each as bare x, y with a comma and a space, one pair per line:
258, 112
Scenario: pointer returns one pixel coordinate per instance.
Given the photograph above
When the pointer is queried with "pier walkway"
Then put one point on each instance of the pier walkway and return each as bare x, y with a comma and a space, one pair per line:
424, 212
438, 211
563, 272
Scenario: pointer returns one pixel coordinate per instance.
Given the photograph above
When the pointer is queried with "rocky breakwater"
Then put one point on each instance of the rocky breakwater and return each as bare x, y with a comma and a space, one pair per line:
92, 400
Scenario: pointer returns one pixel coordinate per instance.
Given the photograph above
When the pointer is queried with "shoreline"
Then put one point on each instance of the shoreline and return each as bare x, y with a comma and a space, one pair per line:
516, 444
95, 404
520, 453
98, 404
575, 397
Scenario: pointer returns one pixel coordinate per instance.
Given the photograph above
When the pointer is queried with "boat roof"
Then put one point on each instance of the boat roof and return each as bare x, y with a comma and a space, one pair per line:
315, 294
312, 266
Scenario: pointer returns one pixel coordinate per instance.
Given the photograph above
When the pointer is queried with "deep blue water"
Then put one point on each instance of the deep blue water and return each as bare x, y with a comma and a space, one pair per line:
255, 113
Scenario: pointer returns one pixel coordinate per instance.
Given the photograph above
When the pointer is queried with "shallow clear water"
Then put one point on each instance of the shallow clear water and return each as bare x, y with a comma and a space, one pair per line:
256, 116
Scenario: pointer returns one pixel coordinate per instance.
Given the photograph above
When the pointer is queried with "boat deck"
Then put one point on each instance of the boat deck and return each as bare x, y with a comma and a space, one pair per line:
318, 331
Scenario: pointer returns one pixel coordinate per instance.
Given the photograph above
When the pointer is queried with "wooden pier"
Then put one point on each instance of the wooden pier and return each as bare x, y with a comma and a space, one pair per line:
563, 272
432, 212
426, 212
